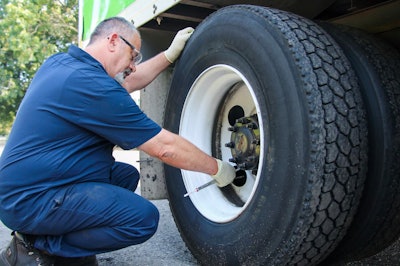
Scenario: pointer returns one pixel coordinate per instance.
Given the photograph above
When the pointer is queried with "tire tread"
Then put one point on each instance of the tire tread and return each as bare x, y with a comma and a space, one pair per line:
343, 141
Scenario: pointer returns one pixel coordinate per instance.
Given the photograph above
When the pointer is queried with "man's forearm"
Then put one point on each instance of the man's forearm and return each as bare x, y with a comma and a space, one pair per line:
176, 151
146, 72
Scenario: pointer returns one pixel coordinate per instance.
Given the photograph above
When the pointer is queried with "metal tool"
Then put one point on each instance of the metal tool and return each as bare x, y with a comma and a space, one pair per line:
201, 187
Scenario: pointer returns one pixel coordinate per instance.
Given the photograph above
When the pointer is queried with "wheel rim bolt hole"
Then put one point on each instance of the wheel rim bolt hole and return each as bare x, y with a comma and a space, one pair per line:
240, 179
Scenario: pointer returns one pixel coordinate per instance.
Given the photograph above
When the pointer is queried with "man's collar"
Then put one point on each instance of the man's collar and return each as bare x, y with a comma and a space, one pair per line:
83, 56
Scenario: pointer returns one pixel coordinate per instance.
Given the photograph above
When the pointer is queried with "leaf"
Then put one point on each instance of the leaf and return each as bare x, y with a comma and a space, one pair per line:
32, 30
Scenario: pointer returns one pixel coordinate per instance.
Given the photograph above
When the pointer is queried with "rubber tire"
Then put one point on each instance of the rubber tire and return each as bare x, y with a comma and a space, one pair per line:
377, 65
314, 161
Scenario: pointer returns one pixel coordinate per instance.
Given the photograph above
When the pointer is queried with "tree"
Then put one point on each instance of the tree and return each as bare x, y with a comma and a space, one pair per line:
31, 31
2, 5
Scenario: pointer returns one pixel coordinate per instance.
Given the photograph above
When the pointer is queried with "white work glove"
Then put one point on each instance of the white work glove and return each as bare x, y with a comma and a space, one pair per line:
225, 175
178, 43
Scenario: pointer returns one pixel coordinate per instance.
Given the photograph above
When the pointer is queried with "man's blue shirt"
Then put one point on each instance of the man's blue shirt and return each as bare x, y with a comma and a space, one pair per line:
71, 117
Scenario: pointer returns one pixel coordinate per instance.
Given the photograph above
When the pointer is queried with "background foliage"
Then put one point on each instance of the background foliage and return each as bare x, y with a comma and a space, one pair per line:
31, 31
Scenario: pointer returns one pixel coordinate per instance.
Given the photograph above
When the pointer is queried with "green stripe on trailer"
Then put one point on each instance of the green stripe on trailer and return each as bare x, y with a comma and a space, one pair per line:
91, 12
94, 11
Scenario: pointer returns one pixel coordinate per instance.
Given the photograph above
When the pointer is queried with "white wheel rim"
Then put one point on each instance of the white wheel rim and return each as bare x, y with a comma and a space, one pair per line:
199, 114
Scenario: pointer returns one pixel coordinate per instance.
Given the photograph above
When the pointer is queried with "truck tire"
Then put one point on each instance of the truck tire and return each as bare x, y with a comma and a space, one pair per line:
377, 65
271, 92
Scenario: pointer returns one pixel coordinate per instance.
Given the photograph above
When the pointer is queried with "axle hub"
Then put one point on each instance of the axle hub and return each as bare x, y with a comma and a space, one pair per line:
245, 142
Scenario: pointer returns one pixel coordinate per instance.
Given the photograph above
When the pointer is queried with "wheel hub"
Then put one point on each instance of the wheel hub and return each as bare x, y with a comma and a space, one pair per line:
245, 143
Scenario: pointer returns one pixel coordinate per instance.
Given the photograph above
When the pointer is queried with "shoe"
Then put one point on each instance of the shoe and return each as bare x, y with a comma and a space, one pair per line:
80, 261
21, 252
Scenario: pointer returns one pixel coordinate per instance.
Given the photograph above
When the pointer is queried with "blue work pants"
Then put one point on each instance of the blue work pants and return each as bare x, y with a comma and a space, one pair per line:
94, 217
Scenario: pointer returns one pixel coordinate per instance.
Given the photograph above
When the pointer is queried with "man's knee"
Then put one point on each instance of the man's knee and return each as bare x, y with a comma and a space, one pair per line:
152, 218
148, 224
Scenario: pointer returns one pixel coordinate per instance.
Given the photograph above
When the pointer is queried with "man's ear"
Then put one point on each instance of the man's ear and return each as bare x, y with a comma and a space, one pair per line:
112, 41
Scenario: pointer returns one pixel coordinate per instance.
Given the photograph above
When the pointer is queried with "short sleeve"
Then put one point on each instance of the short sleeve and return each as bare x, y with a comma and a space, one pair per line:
101, 105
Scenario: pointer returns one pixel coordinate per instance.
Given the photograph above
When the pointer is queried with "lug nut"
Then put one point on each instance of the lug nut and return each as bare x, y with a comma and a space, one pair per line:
242, 165
233, 129
230, 145
243, 120
252, 126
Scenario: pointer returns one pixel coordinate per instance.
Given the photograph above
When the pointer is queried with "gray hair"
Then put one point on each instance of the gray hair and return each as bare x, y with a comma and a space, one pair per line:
110, 25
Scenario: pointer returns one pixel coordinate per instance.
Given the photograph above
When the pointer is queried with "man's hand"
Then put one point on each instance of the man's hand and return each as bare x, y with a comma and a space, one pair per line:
225, 175
177, 45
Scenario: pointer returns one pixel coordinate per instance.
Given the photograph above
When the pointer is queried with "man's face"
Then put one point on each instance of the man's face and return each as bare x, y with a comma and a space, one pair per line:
130, 56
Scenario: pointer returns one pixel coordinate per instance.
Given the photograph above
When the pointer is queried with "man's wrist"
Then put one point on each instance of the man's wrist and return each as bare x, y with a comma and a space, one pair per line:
166, 57
218, 167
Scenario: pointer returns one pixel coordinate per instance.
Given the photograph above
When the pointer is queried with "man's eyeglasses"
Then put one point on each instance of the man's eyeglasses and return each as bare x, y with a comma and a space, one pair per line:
138, 57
